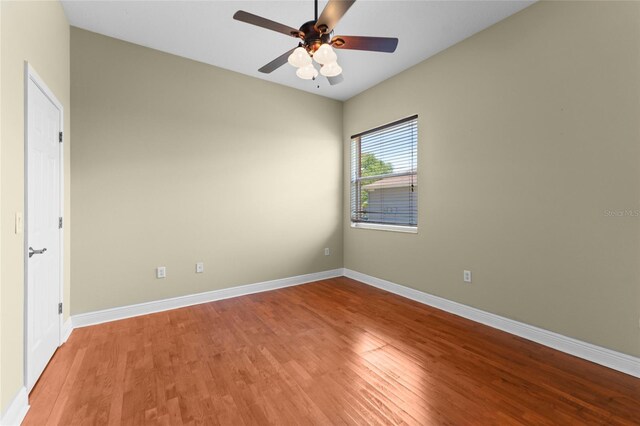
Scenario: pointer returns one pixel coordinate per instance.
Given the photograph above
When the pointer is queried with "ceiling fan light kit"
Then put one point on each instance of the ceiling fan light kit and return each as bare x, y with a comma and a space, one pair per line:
325, 55
308, 72
299, 57
317, 42
331, 69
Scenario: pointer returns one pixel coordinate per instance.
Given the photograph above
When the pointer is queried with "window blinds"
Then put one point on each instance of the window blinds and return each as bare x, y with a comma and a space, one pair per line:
384, 174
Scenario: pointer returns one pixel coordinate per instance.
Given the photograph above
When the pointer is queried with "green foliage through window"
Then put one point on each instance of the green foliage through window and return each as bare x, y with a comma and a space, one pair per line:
371, 166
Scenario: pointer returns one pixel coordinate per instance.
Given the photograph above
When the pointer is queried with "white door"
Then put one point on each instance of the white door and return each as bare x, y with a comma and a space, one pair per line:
43, 233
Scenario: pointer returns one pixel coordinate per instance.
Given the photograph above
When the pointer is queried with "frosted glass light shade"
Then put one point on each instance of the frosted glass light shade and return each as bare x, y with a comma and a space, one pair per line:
299, 57
331, 69
307, 72
325, 55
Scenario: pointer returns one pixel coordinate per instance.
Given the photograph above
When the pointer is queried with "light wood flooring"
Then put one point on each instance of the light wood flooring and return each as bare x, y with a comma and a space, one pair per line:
331, 352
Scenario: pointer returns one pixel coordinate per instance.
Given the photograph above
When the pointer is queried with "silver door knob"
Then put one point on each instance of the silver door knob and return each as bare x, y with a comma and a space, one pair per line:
32, 251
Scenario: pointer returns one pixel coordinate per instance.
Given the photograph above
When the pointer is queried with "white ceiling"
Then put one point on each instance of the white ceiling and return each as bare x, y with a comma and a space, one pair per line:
205, 31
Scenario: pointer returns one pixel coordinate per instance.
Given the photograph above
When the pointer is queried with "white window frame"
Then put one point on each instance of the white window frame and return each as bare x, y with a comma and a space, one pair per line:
367, 225
385, 227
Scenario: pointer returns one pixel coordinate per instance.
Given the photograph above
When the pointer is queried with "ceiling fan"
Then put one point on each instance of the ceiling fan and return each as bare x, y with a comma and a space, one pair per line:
317, 42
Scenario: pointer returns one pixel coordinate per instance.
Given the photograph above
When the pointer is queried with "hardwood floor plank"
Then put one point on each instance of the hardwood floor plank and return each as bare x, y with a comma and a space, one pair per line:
60, 407
331, 352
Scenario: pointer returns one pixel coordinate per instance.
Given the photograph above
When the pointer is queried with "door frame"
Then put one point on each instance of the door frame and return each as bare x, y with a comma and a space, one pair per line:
31, 75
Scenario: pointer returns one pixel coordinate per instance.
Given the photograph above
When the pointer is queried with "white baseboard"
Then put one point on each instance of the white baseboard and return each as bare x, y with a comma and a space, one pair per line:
599, 355
607, 357
67, 328
98, 317
17, 409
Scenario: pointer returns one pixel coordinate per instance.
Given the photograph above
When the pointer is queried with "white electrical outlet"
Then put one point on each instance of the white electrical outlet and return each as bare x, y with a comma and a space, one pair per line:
466, 276
327, 252
199, 267
161, 272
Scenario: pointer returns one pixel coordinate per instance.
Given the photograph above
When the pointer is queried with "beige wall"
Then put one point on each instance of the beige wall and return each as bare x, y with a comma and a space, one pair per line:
36, 32
176, 162
528, 133
2, 403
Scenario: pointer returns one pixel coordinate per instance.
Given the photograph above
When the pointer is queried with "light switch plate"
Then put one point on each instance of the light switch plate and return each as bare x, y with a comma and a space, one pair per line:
19, 223
199, 267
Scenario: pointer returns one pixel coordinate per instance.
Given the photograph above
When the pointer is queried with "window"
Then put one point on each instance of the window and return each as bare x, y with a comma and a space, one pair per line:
384, 177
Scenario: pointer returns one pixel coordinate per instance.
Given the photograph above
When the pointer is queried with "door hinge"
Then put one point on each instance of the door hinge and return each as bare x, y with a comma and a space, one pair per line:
59, 308
60, 137
60, 222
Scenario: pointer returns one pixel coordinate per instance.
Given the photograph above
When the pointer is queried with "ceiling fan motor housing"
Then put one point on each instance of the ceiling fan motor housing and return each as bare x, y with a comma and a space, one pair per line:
313, 38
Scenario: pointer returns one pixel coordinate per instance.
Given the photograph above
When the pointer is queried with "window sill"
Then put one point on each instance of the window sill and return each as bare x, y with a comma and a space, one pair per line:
381, 227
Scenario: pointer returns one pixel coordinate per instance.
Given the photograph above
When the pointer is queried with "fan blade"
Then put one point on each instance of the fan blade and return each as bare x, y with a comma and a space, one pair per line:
335, 80
259, 21
373, 44
276, 63
333, 11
